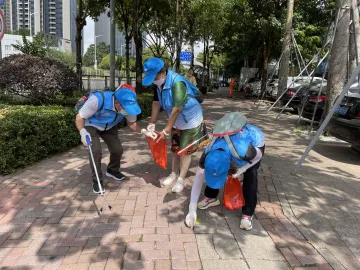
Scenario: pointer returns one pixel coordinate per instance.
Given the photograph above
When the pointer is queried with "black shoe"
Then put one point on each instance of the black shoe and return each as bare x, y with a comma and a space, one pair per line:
96, 188
115, 175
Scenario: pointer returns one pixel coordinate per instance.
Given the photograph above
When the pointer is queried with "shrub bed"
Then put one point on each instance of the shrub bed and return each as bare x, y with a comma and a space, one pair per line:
31, 133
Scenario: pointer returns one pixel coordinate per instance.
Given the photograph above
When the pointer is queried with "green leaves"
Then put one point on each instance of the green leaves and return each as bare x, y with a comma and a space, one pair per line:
32, 133
38, 47
101, 51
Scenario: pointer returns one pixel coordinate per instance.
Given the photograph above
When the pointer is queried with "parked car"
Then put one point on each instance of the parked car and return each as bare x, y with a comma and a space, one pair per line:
271, 89
345, 124
313, 96
252, 88
304, 84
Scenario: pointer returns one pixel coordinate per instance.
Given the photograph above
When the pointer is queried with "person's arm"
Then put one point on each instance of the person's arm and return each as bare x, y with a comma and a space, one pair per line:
253, 161
155, 110
88, 109
179, 99
132, 124
256, 156
80, 122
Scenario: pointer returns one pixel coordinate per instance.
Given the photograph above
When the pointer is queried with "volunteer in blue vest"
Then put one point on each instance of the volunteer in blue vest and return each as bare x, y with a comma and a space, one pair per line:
99, 118
217, 163
173, 94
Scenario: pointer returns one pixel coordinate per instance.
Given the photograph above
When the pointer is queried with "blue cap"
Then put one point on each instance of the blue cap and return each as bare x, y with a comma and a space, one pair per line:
152, 67
217, 165
127, 99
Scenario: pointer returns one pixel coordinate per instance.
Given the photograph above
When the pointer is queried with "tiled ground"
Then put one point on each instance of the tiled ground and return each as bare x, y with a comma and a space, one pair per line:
48, 217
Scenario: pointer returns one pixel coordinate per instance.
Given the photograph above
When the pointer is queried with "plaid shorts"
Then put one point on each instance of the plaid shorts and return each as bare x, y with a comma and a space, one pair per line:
180, 139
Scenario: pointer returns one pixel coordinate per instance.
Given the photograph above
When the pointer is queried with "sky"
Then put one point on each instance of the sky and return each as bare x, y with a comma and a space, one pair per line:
88, 34
89, 30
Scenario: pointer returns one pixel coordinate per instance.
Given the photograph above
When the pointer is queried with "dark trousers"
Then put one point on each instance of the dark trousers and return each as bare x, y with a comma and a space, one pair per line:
113, 143
250, 187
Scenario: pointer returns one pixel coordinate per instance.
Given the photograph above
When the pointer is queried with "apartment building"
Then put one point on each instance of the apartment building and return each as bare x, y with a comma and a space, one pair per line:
55, 18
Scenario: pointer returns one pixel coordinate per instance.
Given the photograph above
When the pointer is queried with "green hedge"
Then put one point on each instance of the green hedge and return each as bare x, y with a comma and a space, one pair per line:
31, 133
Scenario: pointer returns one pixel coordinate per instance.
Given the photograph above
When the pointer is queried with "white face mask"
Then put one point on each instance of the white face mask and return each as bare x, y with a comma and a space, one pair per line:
123, 112
159, 83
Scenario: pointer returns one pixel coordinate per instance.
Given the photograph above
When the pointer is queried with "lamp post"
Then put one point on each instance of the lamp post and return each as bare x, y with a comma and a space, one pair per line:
30, 26
121, 54
95, 65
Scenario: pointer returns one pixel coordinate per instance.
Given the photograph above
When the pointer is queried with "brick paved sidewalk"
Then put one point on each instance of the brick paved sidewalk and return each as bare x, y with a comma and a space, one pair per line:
48, 217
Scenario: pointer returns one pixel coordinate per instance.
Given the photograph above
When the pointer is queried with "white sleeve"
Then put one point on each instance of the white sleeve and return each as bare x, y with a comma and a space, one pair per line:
89, 108
196, 187
131, 118
255, 160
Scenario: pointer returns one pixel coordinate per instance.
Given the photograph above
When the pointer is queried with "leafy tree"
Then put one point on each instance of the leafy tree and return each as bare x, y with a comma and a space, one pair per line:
101, 51
38, 47
66, 58
105, 62
210, 22
152, 51
123, 16
85, 8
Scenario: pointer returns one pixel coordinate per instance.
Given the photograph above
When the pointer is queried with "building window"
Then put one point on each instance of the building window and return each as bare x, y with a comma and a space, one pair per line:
8, 47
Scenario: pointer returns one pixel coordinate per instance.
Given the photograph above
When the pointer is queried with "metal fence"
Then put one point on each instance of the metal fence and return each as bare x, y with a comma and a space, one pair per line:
93, 82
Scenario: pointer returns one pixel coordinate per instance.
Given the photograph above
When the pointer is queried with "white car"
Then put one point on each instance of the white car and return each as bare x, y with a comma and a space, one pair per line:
292, 83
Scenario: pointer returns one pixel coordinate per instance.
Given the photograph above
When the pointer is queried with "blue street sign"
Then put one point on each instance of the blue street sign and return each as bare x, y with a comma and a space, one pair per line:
322, 67
185, 56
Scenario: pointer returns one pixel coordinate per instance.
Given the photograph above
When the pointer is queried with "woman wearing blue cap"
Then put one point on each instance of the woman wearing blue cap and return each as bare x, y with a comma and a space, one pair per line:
176, 96
219, 160
99, 117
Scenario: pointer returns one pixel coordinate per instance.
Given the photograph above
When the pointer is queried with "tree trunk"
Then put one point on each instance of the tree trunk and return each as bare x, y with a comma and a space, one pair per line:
339, 56
138, 45
208, 63
178, 34
354, 49
204, 62
79, 27
264, 73
284, 64
192, 54
127, 57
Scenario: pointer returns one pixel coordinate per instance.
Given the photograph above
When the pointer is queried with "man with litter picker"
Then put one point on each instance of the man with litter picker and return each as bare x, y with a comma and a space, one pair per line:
98, 117
236, 149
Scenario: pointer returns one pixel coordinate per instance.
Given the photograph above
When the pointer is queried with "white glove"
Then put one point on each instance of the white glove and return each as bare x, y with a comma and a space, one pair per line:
83, 134
150, 134
239, 172
151, 127
191, 217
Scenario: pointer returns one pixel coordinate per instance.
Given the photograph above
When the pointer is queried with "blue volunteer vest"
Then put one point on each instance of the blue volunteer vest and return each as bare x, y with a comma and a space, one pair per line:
241, 141
107, 117
191, 112
257, 137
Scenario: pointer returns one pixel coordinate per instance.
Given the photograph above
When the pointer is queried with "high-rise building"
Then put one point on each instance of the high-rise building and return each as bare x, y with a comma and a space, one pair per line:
102, 34
55, 18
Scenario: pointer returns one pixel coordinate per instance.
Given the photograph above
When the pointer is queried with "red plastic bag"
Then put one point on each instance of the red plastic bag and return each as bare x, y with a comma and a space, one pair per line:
158, 151
233, 194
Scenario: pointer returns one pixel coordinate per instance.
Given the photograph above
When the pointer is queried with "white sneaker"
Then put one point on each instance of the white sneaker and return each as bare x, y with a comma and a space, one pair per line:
179, 186
207, 202
169, 180
246, 222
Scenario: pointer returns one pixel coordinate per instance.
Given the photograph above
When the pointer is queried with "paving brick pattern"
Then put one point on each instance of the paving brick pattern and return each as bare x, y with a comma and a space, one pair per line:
49, 220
